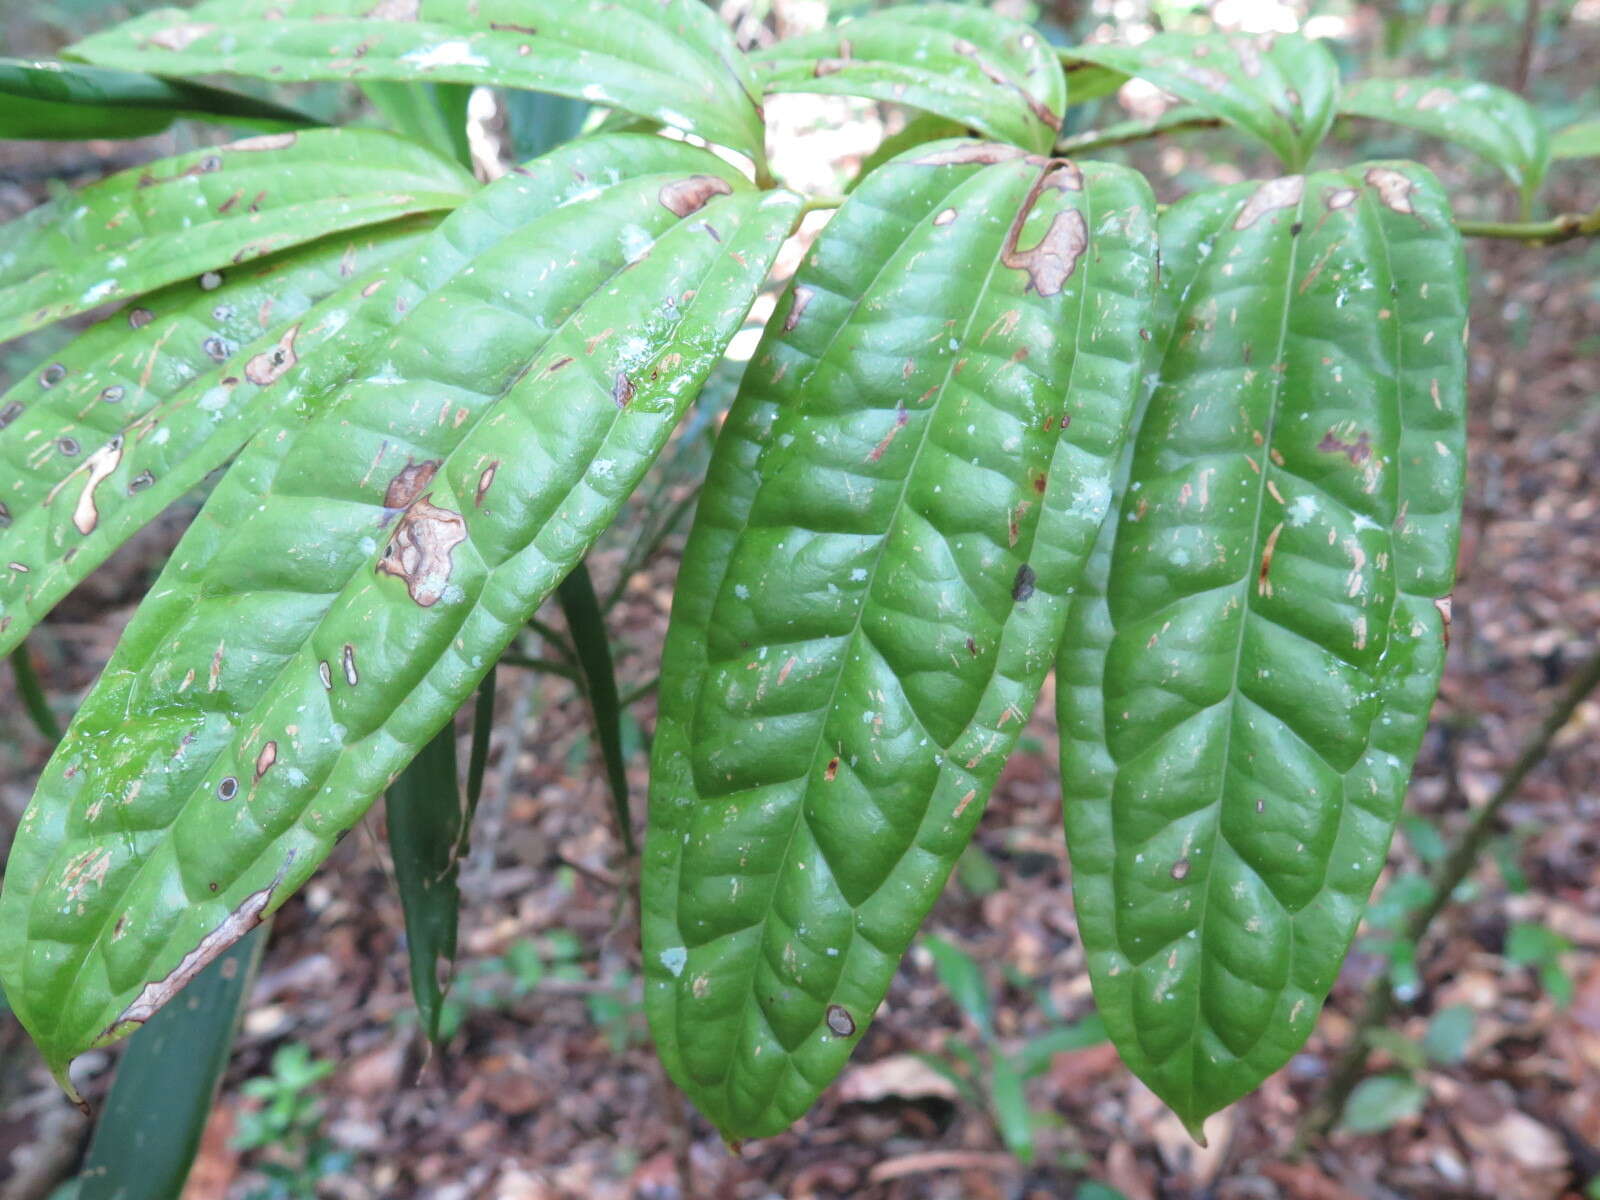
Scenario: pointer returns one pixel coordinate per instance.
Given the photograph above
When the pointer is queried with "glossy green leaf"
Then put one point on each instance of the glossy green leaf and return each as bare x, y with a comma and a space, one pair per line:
598, 678
139, 409
56, 100
900, 501
434, 114
210, 210
427, 821
670, 60
362, 565
1248, 666
1577, 141
993, 75
1498, 125
149, 1130
1281, 89
1088, 81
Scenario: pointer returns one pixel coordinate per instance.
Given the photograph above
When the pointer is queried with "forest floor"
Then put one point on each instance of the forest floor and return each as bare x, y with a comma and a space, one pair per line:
550, 1087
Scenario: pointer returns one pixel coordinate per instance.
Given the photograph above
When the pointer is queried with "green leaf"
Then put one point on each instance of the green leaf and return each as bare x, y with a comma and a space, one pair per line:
32, 694
427, 826
149, 1130
1281, 89
1449, 1034
1080, 1035
990, 74
362, 565
1088, 81
1252, 654
1012, 1116
900, 500
538, 122
210, 209
963, 979
587, 625
1382, 1102
1497, 125
1577, 141
434, 114
139, 409
58, 101
670, 60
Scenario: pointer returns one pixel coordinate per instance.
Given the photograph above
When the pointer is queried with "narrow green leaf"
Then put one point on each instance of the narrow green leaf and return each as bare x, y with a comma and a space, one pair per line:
1382, 1102
1012, 1116
900, 501
587, 625
1449, 1034
427, 823
478, 758
362, 565
1497, 125
1036, 1055
140, 408
670, 60
963, 979
990, 74
34, 700
56, 100
210, 210
149, 1130
434, 114
1281, 89
539, 122
1577, 141
1247, 666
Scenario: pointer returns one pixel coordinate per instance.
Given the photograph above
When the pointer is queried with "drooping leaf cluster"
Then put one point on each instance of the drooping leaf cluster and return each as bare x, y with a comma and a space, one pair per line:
1004, 419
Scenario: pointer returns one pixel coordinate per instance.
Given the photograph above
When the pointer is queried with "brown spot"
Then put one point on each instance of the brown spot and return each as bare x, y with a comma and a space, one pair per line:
178, 37
996, 76
972, 794
972, 647
264, 760
215, 675
138, 318
351, 675
1394, 189
269, 366
1283, 192
372, 287
1443, 605
832, 771
238, 194
1050, 263
1022, 585
1263, 584
420, 550
1436, 98
234, 926
840, 1022
1357, 451
228, 788
409, 481
982, 153
68, 446
622, 389
828, 66
1180, 869
142, 480
485, 482
684, 196
560, 364
52, 375
10, 413
508, 27
100, 464
802, 297
216, 349
112, 394
900, 419
1063, 177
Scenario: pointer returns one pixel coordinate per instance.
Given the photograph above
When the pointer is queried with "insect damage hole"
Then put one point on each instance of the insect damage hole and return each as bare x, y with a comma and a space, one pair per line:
840, 1022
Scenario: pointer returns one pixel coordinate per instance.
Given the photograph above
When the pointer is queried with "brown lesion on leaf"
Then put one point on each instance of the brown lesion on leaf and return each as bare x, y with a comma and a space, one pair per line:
234, 926
1051, 262
179, 36
1357, 451
684, 196
970, 154
840, 1022
1263, 583
1282, 192
797, 307
264, 760
1394, 188
1022, 586
1180, 869
98, 466
228, 788
900, 419
409, 481
832, 771
138, 318
485, 482
996, 76
420, 550
622, 389
270, 365
1443, 605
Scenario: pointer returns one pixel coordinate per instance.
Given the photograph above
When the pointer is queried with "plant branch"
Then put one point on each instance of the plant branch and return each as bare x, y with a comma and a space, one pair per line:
1561, 228
1125, 132
1446, 879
